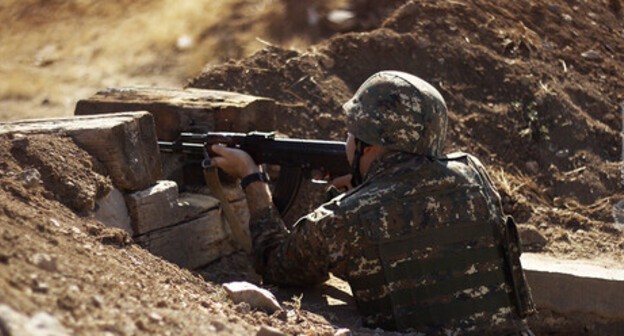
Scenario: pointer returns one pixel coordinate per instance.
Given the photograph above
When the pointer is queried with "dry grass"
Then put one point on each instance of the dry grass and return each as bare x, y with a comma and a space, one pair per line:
55, 52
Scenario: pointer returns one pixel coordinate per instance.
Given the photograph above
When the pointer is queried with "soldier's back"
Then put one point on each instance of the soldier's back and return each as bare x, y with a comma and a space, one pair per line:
427, 253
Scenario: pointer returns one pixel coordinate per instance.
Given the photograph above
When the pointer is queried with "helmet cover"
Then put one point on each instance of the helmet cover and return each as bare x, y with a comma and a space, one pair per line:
398, 111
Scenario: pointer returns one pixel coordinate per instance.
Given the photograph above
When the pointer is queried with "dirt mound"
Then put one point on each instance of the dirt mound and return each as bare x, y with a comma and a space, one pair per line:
77, 188
530, 90
92, 278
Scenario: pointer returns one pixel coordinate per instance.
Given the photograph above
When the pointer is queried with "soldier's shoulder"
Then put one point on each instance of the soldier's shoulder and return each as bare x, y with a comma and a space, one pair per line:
465, 158
459, 156
456, 156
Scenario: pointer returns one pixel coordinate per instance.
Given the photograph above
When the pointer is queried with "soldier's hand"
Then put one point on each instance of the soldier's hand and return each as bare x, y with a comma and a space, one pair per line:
234, 161
342, 183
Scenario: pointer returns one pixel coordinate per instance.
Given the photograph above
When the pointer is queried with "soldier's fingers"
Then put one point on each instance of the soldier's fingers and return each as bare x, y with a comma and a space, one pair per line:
227, 165
342, 182
218, 149
218, 161
233, 153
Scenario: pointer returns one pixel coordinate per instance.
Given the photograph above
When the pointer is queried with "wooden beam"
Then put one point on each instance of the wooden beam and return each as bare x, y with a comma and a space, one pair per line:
176, 110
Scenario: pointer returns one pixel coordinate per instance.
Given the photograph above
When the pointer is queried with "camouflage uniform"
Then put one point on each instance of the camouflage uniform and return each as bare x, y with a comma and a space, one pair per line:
422, 242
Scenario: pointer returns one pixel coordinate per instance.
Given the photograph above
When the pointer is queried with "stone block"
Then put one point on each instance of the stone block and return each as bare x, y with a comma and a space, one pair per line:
153, 208
176, 110
112, 211
576, 287
125, 143
192, 244
161, 205
191, 206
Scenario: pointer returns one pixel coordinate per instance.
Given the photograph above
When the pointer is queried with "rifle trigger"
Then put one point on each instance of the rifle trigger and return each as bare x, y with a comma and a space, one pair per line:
206, 162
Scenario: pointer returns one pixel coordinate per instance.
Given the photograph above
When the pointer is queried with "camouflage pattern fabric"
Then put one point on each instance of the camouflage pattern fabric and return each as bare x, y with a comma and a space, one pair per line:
431, 255
400, 112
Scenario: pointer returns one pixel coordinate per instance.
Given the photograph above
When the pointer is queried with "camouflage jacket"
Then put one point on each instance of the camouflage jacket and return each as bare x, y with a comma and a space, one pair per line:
422, 243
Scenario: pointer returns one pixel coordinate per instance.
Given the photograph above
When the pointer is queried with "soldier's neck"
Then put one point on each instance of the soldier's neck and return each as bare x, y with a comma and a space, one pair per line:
369, 156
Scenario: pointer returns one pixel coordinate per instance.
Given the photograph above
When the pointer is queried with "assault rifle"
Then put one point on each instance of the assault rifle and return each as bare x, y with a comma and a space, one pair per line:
297, 158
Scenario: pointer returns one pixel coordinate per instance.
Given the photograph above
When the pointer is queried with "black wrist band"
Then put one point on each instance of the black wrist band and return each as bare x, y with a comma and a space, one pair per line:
259, 176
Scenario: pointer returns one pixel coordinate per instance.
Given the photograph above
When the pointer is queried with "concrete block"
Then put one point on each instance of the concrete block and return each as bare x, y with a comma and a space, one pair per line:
153, 208
160, 206
112, 211
125, 143
192, 244
576, 287
191, 206
176, 110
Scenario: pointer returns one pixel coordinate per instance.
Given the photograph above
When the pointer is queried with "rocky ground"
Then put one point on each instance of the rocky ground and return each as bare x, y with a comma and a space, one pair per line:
534, 89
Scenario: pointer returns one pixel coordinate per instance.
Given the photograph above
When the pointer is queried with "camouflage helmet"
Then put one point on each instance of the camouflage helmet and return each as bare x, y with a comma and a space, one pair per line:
398, 111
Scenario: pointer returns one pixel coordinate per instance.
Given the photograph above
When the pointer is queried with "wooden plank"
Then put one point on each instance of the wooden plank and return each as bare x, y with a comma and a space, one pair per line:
192, 244
176, 110
125, 143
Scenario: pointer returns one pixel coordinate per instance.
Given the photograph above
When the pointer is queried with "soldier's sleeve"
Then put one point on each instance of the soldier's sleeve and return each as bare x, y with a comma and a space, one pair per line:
303, 256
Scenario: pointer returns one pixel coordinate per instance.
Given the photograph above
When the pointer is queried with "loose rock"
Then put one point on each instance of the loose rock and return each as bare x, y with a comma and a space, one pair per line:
243, 308
44, 261
618, 215
592, 55
268, 331
532, 166
343, 332
45, 324
30, 178
13, 323
255, 296
531, 237
341, 20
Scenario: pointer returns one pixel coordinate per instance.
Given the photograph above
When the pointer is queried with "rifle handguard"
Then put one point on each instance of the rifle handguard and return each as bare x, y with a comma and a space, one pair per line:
297, 158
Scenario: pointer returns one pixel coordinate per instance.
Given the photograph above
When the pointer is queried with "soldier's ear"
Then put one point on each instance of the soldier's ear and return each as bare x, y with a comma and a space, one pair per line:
372, 149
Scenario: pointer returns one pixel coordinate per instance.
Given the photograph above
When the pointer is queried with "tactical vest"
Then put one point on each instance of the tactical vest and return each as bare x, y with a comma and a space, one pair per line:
437, 257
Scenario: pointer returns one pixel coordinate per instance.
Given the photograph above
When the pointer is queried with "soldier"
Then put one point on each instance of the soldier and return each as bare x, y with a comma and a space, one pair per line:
421, 238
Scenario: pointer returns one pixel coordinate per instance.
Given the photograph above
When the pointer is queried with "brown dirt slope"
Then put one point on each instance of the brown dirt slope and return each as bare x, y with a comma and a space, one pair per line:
92, 279
534, 89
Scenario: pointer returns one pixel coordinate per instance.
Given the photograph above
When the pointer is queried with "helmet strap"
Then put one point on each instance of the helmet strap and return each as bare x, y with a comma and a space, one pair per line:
356, 175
